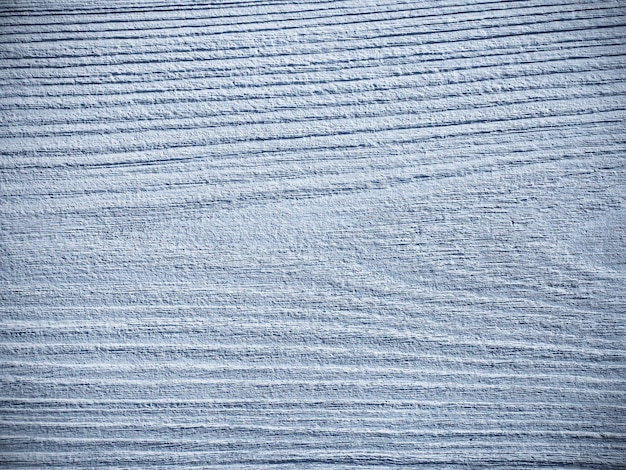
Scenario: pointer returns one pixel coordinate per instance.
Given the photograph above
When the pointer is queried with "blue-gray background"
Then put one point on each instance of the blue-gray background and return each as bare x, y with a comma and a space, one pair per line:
330, 234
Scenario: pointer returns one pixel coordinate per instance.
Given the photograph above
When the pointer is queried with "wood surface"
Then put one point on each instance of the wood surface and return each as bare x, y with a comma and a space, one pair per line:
312, 235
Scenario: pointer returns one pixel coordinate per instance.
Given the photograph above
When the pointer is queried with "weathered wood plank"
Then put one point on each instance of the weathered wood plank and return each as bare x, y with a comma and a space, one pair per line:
331, 234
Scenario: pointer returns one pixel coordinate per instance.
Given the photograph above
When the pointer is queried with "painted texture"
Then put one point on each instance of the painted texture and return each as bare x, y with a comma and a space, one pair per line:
332, 234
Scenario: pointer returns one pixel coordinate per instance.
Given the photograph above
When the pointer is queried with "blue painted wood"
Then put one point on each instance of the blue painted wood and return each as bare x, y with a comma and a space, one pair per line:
333, 234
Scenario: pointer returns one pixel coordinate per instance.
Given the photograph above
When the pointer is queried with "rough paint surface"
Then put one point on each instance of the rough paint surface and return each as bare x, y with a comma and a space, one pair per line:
312, 234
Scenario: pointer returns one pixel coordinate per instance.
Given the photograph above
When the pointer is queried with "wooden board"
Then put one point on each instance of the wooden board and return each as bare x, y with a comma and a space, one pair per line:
331, 234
